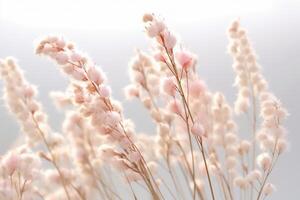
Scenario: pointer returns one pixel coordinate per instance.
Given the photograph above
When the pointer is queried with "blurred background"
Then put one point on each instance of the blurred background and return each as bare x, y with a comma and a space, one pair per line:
110, 31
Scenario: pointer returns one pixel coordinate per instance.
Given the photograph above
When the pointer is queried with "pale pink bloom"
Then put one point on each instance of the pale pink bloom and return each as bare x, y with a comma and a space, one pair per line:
20, 100
53, 176
282, 145
245, 146
279, 131
95, 75
268, 189
81, 154
68, 68
241, 182
158, 56
230, 138
79, 98
112, 118
76, 57
62, 58
245, 92
231, 162
197, 88
11, 162
169, 86
71, 46
147, 103
264, 161
138, 77
174, 107
238, 67
131, 91
231, 150
104, 91
266, 96
52, 39
60, 99
268, 143
254, 175
60, 43
281, 113
268, 111
163, 129
156, 115
30, 92
241, 105
169, 40
261, 135
185, 59
197, 129
33, 106
78, 74
155, 27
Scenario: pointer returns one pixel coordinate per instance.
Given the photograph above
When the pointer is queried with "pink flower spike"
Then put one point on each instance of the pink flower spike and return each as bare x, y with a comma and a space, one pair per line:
11, 163
104, 91
174, 107
185, 59
95, 75
197, 88
169, 40
197, 129
29, 91
75, 57
61, 43
62, 58
169, 86
79, 75
159, 57
154, 28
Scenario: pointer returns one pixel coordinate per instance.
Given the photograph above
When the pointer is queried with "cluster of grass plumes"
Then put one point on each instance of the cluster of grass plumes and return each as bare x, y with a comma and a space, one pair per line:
195, 153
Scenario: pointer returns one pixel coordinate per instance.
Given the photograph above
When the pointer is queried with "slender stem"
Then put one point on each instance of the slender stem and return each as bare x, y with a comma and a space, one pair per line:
273, 162
206, 167
187, 115
145, 86
181, 91
173, 175
265, 180
110, 108
53, 161
22, 189
53, 158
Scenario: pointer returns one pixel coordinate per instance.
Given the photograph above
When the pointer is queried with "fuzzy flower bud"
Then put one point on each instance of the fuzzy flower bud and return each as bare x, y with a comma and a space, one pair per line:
264, 161
185, 59
169, 86
268, 189
197, 129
